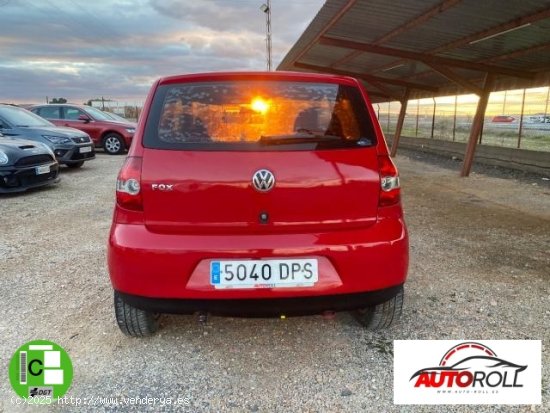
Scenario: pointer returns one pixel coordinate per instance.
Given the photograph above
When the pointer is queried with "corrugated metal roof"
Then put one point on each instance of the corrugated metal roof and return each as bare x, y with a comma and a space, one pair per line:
455, 29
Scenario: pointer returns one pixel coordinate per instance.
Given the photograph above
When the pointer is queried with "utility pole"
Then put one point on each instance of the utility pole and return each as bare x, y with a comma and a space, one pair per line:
266, 8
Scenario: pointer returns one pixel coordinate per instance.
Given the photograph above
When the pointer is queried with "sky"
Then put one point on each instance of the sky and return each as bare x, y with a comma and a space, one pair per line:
537, 101
85, 49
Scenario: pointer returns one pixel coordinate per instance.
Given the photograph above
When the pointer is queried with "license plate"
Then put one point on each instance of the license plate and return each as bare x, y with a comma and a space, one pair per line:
264, 273
86, 149
43, 169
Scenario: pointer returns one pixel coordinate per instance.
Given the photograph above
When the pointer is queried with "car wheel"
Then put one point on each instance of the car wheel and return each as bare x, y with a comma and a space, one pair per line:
113, 144
382, 315
133, 321
75, 165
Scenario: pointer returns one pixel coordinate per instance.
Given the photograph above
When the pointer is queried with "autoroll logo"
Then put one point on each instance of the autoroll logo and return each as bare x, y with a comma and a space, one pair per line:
470, 365
468, 372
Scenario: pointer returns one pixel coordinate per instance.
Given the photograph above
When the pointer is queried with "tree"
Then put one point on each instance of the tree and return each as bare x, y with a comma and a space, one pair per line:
58, 100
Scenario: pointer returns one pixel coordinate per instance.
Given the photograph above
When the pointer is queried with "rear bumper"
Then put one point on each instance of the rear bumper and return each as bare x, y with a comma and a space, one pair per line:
267, 307
174, 266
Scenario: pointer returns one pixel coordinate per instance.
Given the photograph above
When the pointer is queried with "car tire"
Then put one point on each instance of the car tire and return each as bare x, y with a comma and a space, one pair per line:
132, 321
382, 315
75, 165
113, 144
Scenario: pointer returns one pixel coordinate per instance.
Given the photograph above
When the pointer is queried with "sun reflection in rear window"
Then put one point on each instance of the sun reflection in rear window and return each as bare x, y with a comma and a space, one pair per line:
249, 111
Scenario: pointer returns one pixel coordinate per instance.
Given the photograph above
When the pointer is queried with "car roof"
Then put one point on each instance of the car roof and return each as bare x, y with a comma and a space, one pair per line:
60, 104
278, 75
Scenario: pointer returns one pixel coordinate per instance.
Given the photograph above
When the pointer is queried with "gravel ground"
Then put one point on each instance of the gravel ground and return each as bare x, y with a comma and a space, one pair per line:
480, 269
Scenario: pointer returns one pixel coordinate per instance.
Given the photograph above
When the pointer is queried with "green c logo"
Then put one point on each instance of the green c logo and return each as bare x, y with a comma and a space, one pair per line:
31, 370
41, 369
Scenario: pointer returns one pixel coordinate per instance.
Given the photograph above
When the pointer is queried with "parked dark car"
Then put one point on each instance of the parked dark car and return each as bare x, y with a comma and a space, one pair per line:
112, 135
70, 146
25, 164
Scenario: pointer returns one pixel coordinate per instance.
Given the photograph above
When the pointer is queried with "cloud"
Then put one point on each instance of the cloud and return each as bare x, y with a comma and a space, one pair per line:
80, 49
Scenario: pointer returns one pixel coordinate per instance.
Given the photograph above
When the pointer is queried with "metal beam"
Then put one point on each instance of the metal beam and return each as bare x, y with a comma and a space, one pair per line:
453, 77
428, 14
511, 55
477, 125
327, 27
367, 78
346, 58
385, 90
423, 57
519, 53
511, 24
400, 122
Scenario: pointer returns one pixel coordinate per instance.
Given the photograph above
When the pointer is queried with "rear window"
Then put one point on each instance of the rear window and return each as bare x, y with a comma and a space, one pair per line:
257, 115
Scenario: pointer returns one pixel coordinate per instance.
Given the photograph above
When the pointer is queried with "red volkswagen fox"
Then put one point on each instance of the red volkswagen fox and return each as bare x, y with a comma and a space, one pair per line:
257, 194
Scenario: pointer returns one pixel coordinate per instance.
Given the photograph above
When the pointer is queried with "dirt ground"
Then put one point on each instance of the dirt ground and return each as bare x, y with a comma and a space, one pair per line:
480, 269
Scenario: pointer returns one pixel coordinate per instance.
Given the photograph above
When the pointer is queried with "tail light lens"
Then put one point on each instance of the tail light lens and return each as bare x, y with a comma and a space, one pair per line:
128, 185
390, 191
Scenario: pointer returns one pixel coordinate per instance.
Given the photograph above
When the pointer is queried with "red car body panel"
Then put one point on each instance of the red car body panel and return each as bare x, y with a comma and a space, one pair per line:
303, 199
149, 264
325, 205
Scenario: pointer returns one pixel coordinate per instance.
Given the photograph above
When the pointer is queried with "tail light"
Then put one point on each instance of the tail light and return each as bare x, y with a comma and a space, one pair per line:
390, 191
128, 188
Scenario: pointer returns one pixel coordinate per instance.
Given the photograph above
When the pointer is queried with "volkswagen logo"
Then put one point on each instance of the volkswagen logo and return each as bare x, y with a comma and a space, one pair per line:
263, 180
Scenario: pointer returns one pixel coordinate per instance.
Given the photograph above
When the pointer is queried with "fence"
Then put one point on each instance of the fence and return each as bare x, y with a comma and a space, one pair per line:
129, 110
514, 118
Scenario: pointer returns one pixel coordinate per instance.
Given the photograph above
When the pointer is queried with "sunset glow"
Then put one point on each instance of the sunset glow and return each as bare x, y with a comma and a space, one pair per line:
259, 105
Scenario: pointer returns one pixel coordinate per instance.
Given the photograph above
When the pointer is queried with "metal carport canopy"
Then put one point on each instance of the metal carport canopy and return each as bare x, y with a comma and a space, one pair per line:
412, 49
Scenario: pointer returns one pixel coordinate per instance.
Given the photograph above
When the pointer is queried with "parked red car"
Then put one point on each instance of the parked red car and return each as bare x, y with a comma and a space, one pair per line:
257, 194
111, 135
503, 119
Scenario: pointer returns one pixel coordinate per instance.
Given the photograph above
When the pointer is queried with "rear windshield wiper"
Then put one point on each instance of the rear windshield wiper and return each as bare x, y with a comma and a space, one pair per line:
301, 137
362, 141
317, 134
304, 137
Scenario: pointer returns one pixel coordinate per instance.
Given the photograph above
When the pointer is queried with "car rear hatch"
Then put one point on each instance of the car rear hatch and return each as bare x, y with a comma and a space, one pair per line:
187, 191
205, 142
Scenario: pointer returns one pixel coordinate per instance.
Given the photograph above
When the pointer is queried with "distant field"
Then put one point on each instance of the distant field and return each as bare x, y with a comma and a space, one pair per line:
534, 136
